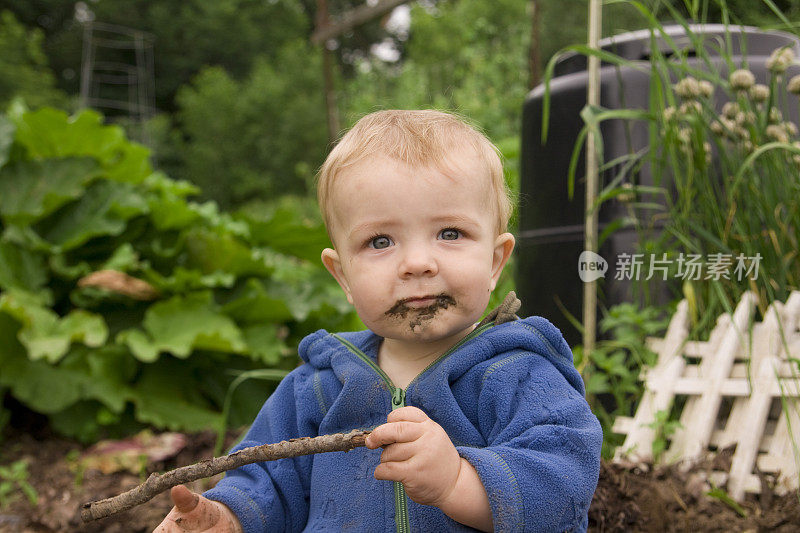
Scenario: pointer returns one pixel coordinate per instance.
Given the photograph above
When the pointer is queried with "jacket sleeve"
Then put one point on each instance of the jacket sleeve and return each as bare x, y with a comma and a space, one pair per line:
542, 460
273, 496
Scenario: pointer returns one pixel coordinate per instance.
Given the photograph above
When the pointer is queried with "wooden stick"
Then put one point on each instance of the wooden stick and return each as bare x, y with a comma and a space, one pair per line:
157, 483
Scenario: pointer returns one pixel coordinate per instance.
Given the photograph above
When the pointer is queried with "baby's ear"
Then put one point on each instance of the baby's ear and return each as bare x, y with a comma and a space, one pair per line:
330, 258
503, 246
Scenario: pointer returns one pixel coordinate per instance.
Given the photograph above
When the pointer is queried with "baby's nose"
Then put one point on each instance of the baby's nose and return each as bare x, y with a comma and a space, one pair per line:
418, 261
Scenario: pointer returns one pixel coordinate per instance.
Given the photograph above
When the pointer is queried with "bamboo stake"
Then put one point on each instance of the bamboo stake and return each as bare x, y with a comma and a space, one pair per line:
157, 483
592, 99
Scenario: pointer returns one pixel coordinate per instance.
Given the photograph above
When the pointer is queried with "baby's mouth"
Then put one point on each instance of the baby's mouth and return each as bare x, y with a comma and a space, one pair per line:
423, 308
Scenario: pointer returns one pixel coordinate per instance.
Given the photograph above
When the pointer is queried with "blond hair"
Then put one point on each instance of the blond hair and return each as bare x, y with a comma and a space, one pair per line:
416, 138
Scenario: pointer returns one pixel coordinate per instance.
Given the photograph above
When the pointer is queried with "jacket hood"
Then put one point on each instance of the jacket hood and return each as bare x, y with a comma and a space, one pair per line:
532, 334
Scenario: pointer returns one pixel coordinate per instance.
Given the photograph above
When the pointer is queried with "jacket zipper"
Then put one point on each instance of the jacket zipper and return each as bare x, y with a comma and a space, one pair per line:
401, 518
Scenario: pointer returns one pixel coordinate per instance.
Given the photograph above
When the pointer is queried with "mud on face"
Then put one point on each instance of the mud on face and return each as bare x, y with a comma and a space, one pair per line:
419, 316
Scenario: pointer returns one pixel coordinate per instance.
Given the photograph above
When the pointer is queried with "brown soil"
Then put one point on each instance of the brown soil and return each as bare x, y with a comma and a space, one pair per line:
628, 498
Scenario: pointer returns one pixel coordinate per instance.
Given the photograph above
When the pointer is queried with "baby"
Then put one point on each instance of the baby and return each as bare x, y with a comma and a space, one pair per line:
481, 426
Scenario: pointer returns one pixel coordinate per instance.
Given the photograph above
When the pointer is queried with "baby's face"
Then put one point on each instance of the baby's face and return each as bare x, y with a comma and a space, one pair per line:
417, 251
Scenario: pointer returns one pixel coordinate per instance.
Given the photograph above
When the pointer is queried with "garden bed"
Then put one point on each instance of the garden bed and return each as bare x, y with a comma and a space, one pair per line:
628, 498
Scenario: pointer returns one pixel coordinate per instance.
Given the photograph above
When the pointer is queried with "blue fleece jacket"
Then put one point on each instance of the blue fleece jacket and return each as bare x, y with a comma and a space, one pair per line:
509, 398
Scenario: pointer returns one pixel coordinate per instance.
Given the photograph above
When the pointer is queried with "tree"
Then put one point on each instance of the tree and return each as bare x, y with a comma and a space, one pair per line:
23, 66
259, 137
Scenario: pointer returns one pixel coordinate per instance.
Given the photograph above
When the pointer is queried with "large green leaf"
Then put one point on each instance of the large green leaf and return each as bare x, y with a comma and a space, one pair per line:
104, 209
7, 131
167, 201
212, 251
286, 229
31, 190
50, 133
167, 396
21, 268
296, 290
48, 388
186, 280
265, 344
180, 325
251, 303
44, 333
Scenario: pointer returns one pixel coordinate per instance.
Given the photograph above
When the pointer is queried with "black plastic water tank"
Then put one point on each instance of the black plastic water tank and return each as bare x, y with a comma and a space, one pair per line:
551, 225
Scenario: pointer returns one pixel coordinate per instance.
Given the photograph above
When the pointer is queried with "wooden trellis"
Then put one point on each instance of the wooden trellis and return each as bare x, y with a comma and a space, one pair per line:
740, 387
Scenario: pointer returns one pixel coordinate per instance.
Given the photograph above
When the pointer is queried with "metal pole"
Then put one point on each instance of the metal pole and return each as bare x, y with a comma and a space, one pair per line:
590, 237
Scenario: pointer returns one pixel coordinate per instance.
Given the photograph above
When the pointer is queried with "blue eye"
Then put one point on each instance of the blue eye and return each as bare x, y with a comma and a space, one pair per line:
449, 234
380, 242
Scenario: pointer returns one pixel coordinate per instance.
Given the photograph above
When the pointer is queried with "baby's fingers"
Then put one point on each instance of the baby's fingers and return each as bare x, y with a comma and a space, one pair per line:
191, 512
184, 500
393, 432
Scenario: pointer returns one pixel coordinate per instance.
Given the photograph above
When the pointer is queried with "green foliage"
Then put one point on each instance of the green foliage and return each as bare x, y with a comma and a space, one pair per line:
256, 138
723, 180
663, 428
13, 480
476, 68
23, 65
724, 184
720, 494
611, 371
188, 35
76, 198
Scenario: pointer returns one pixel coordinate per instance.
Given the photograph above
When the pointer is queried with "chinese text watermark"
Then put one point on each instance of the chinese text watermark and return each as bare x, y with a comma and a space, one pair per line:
714, 266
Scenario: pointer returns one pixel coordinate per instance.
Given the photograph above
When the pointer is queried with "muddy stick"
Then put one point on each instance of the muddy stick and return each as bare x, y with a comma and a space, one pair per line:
157, 483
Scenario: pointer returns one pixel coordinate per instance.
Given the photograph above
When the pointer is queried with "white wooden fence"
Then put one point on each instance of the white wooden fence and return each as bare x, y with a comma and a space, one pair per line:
740, 387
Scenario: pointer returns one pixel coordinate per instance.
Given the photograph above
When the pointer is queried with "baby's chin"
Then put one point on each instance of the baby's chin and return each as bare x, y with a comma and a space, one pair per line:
412, 329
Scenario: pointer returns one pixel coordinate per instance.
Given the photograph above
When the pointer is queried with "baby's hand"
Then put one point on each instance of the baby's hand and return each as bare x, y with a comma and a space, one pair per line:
193, 512
418, 453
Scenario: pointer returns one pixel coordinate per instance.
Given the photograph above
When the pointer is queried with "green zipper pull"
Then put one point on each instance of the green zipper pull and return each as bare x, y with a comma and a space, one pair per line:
398, 398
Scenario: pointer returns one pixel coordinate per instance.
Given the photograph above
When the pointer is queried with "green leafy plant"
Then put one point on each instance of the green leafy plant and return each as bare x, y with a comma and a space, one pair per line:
124, 303
664, 428
725, 175
13, 480
725, 164
611, 370
720, 494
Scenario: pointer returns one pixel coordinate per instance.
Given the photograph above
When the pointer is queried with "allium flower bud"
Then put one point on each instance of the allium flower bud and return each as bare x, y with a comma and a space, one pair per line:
717, 128
741, 132
730, 109
790, 128
707, 151
780, 60
759, 92
742, 80
777, 133
794, 85
687, 88
685, 135
775, 115
706, 88
745, 117
629, 195
729, 127
669, 113
691, 107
